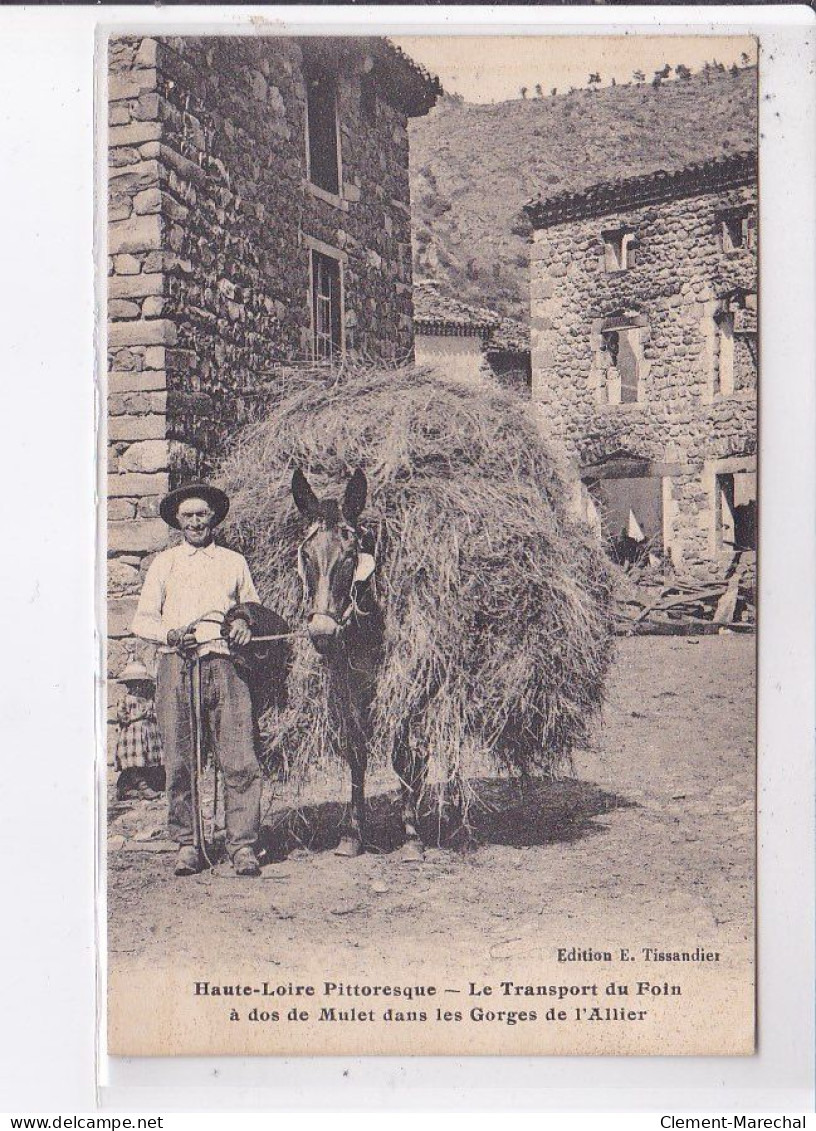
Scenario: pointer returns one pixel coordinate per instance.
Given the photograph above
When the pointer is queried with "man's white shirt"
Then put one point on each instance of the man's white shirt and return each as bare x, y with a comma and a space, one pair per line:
187, 582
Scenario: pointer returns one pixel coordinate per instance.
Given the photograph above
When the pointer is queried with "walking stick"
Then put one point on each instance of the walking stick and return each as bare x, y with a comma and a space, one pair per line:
199, 840
217, 617
214, 826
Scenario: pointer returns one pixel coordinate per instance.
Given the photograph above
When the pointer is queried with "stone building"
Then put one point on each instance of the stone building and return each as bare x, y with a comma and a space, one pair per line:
644, 353
258, 212
465, 340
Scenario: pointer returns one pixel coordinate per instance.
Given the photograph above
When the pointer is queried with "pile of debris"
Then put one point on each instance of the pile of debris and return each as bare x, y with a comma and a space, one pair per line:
651, 603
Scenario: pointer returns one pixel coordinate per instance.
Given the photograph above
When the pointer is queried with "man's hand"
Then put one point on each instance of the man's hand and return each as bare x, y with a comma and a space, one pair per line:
239, 633
182, 638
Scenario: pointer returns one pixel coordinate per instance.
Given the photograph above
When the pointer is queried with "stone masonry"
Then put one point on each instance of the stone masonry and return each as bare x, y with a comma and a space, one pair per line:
212, 221
644, 344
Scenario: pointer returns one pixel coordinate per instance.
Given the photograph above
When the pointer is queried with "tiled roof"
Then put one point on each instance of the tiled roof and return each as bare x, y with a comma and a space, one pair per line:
610, 196
399, 80
421, 88
435, 314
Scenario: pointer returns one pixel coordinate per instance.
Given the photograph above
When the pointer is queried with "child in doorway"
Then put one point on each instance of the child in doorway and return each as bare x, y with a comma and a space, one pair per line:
139, 756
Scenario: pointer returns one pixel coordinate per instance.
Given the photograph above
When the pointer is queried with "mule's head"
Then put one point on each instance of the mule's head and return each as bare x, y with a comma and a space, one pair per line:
331, 562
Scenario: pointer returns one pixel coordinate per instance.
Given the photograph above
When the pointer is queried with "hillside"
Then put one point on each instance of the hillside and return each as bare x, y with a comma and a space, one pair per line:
473, 166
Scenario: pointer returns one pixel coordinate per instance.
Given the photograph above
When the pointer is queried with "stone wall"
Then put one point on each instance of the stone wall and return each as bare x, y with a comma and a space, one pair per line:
141, 339
211, 221
242, 217
679, 279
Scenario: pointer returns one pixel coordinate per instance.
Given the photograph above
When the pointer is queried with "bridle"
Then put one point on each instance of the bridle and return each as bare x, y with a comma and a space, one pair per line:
363, 569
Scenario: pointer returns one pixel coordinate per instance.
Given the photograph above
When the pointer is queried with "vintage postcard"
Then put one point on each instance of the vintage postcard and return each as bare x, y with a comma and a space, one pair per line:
431, 533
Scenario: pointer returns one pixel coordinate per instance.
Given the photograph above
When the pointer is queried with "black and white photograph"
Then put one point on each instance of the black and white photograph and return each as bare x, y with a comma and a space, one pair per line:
432, 530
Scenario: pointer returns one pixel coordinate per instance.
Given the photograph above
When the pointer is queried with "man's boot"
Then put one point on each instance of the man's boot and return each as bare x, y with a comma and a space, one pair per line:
188, 861
245, 863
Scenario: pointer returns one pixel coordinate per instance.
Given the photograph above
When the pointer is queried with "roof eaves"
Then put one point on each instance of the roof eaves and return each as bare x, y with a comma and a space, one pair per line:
410, 84
452, 326
648, 188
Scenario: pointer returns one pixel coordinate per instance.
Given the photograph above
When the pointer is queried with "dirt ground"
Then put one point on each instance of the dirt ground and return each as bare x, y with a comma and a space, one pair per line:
654, 833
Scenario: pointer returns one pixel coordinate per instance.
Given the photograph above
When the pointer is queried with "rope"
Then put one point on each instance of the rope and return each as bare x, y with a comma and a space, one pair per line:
209, 618
277, 636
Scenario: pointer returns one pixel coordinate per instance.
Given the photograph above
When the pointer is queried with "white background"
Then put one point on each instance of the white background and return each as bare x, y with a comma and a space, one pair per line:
47, 662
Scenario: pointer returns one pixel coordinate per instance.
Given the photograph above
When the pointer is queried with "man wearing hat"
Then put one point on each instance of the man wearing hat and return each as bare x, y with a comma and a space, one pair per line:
183, 584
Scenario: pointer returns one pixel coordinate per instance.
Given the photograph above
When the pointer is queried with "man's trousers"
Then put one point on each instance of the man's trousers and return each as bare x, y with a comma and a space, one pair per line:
227, 726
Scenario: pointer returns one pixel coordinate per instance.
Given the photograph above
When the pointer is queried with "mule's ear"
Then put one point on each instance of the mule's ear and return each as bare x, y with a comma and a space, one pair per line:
306, 500
354, 500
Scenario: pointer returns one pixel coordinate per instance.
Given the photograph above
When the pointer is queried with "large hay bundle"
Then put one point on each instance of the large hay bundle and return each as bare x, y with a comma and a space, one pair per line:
492, 595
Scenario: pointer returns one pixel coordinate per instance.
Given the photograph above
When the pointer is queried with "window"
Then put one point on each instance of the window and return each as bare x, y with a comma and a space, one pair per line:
725, 361
618, 248
736, 511
323, 140
623, 349
610, 340
736, 358
327, 304
737, 229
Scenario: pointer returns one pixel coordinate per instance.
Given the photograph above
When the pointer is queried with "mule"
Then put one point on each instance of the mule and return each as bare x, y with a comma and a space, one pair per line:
346, 627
